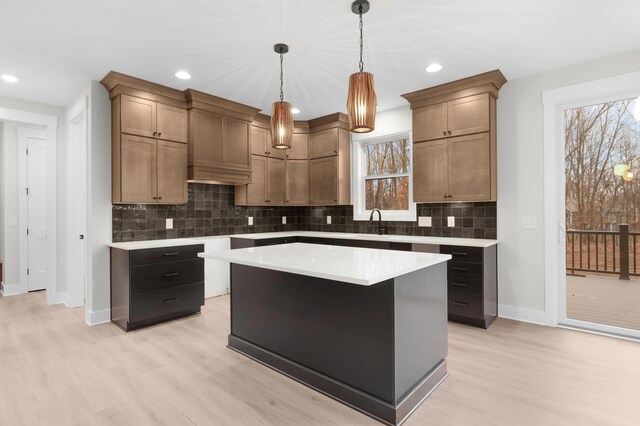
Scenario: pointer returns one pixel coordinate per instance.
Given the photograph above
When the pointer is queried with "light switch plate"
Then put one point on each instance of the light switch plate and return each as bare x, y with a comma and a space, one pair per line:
169, 224
328, 220
284, 220
250, 220
424, 221
451, 221
529, 223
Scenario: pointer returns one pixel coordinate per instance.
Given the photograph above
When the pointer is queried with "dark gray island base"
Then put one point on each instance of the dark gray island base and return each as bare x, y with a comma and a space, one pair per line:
379, 349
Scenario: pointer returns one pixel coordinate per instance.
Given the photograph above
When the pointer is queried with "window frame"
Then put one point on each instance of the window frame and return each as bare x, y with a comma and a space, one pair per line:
359, 177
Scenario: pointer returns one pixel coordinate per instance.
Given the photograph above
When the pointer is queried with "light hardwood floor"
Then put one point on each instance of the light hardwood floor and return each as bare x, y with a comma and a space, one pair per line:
55, 370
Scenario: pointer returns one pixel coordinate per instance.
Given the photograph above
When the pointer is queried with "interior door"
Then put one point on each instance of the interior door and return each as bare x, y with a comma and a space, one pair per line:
36, 215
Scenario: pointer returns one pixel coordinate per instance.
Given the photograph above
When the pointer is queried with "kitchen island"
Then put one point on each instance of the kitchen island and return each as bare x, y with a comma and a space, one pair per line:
366, 327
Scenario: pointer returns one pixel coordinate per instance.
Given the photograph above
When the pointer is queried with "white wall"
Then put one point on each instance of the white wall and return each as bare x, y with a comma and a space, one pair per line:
388, 122
2, 202
520, 180
9, 192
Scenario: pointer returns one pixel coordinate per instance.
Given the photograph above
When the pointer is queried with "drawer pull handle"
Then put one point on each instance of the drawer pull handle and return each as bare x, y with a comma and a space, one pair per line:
460, 303
175, 253
175, 299
460, 284
455, 268
456, 253
173, 274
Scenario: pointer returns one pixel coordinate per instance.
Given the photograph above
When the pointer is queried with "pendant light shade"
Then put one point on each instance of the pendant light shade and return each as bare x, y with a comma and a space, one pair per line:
361, 99
361, 102
281, 114
281, 125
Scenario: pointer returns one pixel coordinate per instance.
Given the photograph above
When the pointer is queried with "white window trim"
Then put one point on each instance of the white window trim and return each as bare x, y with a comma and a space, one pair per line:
357, 178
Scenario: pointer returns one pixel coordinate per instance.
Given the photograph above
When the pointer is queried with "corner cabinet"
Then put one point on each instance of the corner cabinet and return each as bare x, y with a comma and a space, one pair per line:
149, 142
219, 131
454, 140
329, 161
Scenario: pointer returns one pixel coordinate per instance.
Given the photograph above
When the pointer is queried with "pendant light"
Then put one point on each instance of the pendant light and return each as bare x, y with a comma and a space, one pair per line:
281, 116
361, 100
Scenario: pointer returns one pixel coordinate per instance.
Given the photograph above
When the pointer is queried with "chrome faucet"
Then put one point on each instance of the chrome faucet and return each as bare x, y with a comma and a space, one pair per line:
381, 229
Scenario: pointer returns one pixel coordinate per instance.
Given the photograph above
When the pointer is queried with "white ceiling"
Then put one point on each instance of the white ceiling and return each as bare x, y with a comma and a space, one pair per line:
56, 47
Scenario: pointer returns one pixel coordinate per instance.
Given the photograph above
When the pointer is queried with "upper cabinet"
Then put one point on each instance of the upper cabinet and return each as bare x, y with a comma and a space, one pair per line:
330, 160
219, 139
261, 138
149, 142
299, 146
454, 140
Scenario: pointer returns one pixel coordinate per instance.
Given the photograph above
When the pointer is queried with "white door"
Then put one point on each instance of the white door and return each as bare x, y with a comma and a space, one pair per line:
77, 184
36, 215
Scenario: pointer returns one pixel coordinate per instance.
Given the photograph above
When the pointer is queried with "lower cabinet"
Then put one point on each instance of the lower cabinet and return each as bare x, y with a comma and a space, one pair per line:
472, 284
154, 285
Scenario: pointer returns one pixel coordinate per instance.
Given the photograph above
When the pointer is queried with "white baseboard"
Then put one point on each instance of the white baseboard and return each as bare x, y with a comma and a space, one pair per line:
11, 289
522, 314
63, 297
97, 317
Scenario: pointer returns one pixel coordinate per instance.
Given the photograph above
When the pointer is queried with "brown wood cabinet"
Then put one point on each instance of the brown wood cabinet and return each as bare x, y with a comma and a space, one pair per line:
299, 147
149, 135
261, 141
268, 187
297, 182
219, 139
148, 118
330, 160
454, 137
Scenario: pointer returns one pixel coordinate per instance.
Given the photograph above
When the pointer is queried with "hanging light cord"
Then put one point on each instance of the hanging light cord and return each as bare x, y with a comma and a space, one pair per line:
361, 64
281, 77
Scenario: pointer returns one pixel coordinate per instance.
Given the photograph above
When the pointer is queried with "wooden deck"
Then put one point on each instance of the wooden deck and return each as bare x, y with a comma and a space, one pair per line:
604, 300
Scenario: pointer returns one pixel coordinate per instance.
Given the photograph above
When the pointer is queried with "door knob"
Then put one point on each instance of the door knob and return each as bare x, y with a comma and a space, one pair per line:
81, 237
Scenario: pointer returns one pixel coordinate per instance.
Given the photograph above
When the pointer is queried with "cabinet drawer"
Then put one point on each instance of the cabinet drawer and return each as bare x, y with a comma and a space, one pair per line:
314, 240
165, 254
168, 301
465, 254
465, 284
464, 269
276, 241
165, 275
465, 305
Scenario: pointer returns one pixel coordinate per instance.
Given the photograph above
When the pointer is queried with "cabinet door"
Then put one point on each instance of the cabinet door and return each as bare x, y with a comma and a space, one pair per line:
275, 182
258, 139
299, 147
430, 122
323, 143
297, 182
171, 123
236, 144
430, 171
323, 181
257, 189
172, 172
468, 115
273, 152
138, 169
205, 138
138, 116
470, 168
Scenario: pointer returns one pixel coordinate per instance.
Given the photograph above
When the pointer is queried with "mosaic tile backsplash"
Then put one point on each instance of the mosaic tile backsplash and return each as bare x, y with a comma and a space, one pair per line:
211, 211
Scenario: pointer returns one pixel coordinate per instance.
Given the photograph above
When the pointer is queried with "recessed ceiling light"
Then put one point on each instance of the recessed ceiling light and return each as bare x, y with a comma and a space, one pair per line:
183, 75
295, 111
434, 67
9, 78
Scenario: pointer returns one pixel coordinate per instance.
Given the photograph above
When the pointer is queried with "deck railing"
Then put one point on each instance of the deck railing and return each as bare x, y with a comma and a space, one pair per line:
604, 252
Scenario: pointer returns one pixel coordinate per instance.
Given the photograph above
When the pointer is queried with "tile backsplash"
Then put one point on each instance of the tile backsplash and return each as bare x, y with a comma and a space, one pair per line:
211, 211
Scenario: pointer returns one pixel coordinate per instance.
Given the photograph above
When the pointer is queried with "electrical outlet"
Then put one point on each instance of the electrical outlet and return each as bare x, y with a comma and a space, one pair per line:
250, 220
451, 221
328, 220
529, 223
169, 224
284, 220
424, 221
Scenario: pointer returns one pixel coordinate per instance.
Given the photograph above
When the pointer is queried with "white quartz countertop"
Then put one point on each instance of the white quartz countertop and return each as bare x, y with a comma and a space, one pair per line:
138, 245
447, 241
353, 265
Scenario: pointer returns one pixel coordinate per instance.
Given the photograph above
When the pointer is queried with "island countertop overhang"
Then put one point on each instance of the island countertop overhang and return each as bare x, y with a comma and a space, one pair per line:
354, 265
